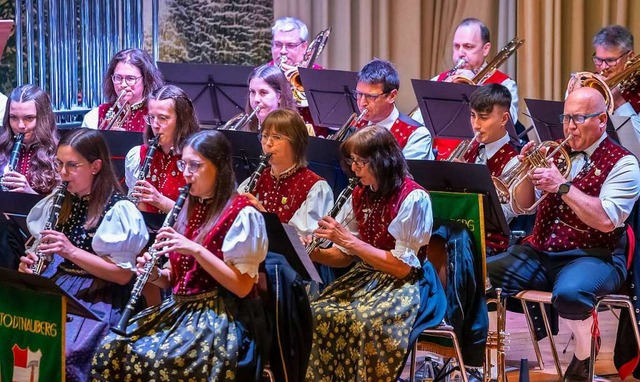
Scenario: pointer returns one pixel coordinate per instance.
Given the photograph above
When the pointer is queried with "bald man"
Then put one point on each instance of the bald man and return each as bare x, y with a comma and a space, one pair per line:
578, 229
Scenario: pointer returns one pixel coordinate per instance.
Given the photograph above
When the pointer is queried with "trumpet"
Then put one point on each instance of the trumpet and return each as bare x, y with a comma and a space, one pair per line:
498, 339
461, 150
116, 118
253, 181
146, 164
141, 280
349, 127
39, 265
241, 120
342, 199
510, 181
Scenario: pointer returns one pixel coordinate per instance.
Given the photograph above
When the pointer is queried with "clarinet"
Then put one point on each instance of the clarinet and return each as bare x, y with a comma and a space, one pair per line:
146, 164
38, 266
142, 278
253, 181
342, 199
14, 157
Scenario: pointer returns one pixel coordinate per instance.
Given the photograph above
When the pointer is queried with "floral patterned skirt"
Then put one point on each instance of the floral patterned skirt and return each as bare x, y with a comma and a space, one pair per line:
203, 337
362, 323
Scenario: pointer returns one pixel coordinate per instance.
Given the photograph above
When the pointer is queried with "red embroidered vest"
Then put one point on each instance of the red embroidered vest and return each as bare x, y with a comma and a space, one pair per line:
557, 228
496, 163
135, 122
285, 195
163, 175
189, 277
374, 216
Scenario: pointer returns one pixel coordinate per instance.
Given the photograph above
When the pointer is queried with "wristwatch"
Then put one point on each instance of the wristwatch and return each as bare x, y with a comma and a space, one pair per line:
564, 188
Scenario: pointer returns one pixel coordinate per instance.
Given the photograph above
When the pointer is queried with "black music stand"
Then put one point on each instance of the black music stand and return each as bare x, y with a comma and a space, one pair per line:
246, 151
283, 239
218, 92
47, 287
445, 109
544, 115
16, 205
465, 178
330, 96
323, 156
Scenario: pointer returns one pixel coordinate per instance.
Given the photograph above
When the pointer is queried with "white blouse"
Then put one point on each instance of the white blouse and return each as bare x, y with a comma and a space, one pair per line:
246, 244
132, 167
411, 227
121, 235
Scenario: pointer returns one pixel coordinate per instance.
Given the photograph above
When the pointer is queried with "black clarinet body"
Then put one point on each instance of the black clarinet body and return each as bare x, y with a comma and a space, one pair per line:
253, 181
143, 277
146, 164
39, 265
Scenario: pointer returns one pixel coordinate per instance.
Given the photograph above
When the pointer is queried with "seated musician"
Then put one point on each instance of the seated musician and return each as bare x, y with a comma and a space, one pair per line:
29, 112
287, 187
376, 91
94, 243
363, 319
489, 106
613, 47
130, 71
171, 118
268, 89
578, 229
209, 330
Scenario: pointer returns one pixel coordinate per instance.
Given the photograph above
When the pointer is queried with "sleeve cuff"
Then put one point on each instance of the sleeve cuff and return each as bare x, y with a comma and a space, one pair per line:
406, 254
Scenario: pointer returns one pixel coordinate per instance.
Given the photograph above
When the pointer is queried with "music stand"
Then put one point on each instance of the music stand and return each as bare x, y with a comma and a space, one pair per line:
544, 115
45, 286
16, 205
283, 239
218, 92
624, 133
330, 96
445, 109
465, 178
323, 156
246, 151
6, 29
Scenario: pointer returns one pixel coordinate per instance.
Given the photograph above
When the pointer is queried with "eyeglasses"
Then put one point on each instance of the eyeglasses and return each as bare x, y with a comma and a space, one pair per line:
161, 120
290, 46
26, 119
71, 167
578, 119
368, 97
193, 166
360, 163
274, 137
597, 61
129, 80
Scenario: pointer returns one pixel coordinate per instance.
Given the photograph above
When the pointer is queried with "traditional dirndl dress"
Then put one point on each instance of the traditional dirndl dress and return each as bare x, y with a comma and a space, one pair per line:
202, 332
364, 319
119, 235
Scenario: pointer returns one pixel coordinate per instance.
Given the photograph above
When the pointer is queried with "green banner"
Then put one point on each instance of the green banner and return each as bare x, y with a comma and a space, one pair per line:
31, 335
467, 209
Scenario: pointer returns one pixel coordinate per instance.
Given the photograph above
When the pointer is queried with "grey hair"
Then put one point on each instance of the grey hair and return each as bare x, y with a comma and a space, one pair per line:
286, 24
613, 36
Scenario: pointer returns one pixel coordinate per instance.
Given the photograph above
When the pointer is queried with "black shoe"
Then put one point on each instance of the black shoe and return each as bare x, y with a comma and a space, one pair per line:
577, 371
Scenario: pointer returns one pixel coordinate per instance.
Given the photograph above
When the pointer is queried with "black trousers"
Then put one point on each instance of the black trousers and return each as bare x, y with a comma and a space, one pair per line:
575, 281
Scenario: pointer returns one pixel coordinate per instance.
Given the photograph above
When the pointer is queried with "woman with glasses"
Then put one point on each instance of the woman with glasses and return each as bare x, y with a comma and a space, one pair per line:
171, 120
363, 320
30, 116
287, 187
209, 329
269, 90
94, 243
131, 76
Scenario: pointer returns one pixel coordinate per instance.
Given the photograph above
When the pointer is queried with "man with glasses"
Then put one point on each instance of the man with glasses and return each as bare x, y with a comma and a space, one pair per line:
376, 91
579, 228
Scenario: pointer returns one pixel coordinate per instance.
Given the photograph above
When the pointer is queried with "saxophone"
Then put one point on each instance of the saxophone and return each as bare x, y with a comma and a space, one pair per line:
146, 164
342, 199
14, 157
116, 118
43, 259
142, 278
253, 181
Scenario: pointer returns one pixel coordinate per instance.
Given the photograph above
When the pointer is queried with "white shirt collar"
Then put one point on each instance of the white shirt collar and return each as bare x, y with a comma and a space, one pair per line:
492, 148
390, 120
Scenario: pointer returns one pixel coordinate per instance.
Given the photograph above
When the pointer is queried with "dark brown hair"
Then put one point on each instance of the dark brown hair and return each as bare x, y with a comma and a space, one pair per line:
386, 162
278, 82
151, 76
290, 124
216, 148
44, 177
186, 120
90, 144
